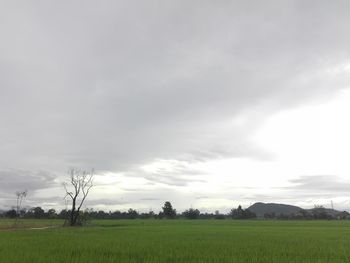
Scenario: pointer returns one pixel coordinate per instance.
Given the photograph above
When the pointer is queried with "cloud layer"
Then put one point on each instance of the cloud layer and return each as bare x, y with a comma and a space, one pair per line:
116, 85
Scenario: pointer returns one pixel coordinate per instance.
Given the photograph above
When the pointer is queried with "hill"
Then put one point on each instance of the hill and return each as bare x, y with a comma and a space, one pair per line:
283, 211
269, 208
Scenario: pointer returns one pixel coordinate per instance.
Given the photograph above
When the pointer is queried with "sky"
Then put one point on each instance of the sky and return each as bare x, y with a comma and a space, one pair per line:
207, 104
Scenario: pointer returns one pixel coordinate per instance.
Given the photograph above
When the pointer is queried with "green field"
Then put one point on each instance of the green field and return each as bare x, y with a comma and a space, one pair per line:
178, 241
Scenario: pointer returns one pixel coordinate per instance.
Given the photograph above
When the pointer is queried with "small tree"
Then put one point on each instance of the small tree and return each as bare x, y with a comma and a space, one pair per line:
168, 210
81, 182
240, 213
237, 213
132, 214
191, 213
38, 212
51, 213
19, 199
11, 213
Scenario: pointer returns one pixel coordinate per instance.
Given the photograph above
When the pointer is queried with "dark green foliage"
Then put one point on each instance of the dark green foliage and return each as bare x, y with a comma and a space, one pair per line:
240, 213
38, 212
316, 213
11, 213
148, 215
132, 214
168, 211
51, 214
191, 213
63, 214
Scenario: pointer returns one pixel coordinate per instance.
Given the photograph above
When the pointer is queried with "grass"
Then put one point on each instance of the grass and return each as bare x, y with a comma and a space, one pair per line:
11, 224
181, 241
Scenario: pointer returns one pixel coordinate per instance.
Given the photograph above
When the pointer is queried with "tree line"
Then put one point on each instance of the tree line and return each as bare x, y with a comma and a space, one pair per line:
167, 212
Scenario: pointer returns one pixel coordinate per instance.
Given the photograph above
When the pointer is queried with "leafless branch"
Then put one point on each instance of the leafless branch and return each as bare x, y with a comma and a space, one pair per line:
81, 182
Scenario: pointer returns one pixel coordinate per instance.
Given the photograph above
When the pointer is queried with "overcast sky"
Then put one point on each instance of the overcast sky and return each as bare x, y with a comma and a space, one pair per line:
208, 104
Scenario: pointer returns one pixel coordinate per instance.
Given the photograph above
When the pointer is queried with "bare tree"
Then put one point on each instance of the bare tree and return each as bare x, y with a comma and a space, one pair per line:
19, 199
81, 181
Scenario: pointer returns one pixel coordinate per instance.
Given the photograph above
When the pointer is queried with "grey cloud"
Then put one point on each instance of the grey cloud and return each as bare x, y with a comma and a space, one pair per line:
150, 199
307, 188
321, 184
30, 201
105, 202
202, 197
287, 198
117, 84
18, 180
303, 198
171, 179
176, 175
13, 180
130, 189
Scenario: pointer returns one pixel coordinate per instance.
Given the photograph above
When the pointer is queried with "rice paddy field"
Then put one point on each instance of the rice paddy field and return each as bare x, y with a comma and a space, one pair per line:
176, 241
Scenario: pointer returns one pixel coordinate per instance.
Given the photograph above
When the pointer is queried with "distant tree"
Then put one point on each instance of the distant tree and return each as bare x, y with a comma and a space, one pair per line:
116, 215
344, 215
303, 214
22, 212
168, 211
148, 215
20, 195
101, 215
282, 216
63, 214
81, 182
132, 214
237, 213
248, 214
191, 213
11, 213
240, 213
218, 215
318, 206
38, 212
320, 212
51, 213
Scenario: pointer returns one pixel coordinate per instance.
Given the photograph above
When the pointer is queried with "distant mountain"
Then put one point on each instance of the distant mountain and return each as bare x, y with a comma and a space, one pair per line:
268, 208
272, 210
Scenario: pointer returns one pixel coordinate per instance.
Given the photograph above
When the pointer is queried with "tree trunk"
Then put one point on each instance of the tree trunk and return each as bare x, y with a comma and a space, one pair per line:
72, 214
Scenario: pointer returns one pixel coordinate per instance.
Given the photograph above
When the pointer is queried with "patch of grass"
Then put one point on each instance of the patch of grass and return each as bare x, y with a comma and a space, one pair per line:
8, 224
182, 241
